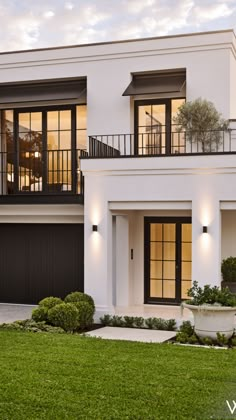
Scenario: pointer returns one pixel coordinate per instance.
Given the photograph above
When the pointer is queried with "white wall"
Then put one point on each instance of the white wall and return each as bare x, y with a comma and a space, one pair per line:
153, 183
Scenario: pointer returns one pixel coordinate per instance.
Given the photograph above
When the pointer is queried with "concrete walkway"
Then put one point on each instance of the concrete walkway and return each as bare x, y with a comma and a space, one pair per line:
11, 312
132, 334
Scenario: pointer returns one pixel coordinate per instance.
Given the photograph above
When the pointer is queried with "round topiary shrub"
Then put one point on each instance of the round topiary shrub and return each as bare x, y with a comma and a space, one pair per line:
86, 312
50, 302
65, 315
40, 314
80, 297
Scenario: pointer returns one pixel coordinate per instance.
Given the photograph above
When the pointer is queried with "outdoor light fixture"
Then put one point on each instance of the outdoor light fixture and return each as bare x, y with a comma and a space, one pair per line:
95, 228
204, 229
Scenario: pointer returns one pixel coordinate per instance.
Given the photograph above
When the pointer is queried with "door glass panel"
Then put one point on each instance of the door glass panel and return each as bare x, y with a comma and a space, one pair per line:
186, 259
169, 289
156, 270
151, 129
65, 120
186, 270
169, 269
169, 251
30, 167
169, 232
163, 264
59, 151
177, 137
185, 285
156, 288
156, 231
187, 232
156, 251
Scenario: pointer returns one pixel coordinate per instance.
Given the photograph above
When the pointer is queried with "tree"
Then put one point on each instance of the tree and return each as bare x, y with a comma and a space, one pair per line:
202, 123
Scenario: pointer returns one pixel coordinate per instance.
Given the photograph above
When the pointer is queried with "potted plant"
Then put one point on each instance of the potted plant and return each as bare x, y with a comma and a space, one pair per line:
213, 310
202, 124
228, 270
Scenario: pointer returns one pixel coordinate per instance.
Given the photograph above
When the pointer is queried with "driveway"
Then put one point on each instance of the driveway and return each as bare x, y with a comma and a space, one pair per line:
11, 312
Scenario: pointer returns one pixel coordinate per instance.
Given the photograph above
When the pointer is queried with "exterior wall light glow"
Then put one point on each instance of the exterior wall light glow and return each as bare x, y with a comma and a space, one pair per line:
95, 228
204, 229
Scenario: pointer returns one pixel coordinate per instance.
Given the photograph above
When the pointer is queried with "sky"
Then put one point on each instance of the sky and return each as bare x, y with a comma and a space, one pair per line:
26, 24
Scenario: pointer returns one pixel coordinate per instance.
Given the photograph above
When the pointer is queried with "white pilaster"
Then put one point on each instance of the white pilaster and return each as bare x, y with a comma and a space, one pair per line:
206, 247
122, 261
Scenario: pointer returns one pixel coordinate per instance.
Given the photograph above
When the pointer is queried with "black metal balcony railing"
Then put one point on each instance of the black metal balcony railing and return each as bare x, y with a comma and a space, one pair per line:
41, 172
163, 143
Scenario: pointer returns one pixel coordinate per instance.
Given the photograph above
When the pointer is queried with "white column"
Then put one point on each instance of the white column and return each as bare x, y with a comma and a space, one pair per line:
122, 261
98, 247
206, 247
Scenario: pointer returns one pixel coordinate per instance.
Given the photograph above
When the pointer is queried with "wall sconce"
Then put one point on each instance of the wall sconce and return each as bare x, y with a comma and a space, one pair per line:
204, 229
94, 228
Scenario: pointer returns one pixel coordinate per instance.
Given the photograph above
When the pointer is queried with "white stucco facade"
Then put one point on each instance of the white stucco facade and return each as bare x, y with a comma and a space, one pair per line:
121, 192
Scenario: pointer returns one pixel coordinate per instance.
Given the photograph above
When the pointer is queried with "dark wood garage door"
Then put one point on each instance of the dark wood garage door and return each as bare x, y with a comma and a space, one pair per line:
39, 260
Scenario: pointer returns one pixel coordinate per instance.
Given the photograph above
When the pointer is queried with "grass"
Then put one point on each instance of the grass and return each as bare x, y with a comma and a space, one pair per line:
50, 376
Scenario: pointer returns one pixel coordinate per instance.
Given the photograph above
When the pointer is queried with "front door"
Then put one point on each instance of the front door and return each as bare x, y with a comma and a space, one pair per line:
167, 259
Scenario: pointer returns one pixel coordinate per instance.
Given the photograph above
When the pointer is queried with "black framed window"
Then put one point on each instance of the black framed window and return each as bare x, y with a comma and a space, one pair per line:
155, 131
40, 149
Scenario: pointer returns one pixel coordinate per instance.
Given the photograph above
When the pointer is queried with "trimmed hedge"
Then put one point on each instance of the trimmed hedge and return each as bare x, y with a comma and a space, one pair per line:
50, 302
65, 315
79, 297
40, 314
86, 312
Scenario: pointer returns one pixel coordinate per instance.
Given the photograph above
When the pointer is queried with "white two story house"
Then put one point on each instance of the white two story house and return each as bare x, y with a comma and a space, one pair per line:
99, 191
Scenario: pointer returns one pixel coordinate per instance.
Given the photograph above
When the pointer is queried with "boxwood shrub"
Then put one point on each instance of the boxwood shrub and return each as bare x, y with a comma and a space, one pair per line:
65, 315
86, 312
80, 297
40, 314
50, 302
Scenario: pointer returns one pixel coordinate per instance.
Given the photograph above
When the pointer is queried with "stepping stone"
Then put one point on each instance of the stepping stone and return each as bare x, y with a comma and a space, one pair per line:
132, 334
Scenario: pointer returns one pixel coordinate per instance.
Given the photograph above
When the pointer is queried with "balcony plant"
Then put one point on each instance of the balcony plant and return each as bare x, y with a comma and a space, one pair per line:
228, 270
203, 124
213, 310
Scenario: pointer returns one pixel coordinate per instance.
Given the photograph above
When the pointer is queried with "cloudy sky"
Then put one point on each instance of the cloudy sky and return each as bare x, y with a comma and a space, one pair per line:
26, 24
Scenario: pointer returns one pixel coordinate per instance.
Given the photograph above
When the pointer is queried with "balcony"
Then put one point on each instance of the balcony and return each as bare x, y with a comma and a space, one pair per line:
45, 176
162, 144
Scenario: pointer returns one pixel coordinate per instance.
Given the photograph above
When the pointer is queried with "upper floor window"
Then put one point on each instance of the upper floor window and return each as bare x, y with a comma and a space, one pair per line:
40, 149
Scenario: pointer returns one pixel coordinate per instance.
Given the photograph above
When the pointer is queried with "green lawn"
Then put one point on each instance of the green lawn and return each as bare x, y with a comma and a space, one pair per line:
50, 376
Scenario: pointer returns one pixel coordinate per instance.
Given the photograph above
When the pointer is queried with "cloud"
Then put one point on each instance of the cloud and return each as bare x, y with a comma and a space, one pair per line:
26, 24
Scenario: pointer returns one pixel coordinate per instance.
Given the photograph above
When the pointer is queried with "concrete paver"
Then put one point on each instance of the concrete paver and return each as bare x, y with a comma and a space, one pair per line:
132, 334
11, 312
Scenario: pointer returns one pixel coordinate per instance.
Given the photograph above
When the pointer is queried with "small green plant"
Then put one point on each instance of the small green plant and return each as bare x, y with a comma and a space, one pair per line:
138, 321
106, 320
66, 316
228, 269
150, 323
40, 314
86, 312
79, 297
50, 302
187, 328
210, 296
233, 341
193, 339
170, 325
129, 321
207, 341
182, 337
222, 340
117, 321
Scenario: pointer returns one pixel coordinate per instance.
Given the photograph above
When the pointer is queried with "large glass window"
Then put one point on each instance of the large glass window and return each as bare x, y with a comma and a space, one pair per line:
40, 149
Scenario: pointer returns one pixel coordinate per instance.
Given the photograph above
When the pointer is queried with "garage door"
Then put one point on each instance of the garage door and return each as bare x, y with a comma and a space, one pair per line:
39, 260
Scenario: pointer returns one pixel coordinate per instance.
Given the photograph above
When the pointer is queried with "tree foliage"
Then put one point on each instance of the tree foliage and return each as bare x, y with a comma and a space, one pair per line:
202, 123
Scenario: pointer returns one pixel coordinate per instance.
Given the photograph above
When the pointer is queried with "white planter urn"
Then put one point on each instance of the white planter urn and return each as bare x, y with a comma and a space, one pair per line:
210, 319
